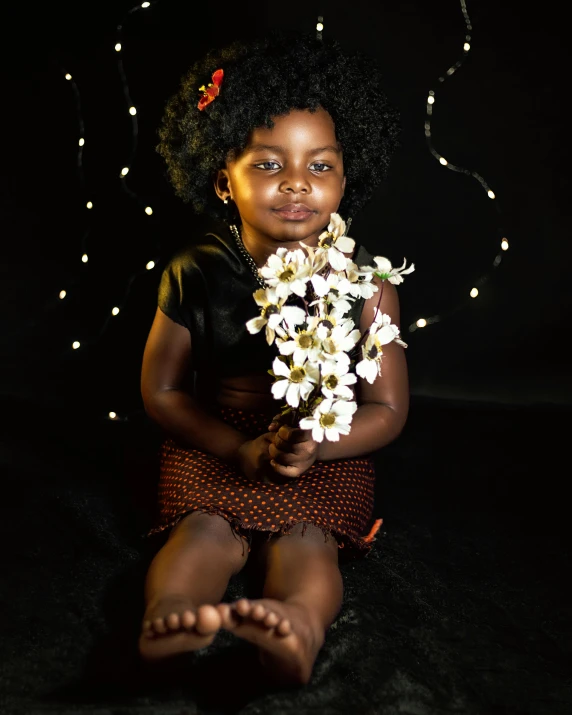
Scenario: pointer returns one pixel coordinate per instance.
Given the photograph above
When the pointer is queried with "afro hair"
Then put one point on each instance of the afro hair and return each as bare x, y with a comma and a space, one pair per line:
268, 78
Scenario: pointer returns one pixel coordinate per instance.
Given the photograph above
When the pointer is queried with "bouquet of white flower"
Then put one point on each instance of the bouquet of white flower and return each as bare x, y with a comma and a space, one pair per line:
318, 348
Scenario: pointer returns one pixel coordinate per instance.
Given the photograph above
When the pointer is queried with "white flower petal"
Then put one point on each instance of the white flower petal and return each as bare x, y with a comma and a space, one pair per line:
274, 320
318, 434
343, 407
346, 245
386, 334
337, 259
294, 315
308, 423
320, 285
255, 325
293, 394
383, 264
279, 368
283, 290
279, 389
287, 348
342, 391
270, 335
348, 379
298, 287
333, 435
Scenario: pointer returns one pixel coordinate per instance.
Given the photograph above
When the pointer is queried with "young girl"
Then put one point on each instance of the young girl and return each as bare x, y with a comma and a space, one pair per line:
270, 138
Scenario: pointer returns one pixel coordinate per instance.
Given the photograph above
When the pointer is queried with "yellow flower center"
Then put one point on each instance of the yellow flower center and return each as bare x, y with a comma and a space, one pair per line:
287, 275
327, 241
331, 382
297, 374
374, 352
327, 420
327, 323
305, 341
270, 310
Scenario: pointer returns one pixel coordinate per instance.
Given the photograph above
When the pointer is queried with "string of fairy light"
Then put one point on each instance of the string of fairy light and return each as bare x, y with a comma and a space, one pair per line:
150, 264
431, 98
131, 108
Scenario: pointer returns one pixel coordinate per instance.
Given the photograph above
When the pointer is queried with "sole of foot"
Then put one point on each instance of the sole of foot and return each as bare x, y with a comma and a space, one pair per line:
174, 625
287, 639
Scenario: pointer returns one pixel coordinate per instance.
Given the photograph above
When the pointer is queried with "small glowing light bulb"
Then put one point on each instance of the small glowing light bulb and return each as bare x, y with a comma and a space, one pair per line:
82, 141
118, 47
84, 258
504, 244
466, 47
443, 161
68, 76
89, 204
474, 292
491, 194
124, 171
62, 294
148, 210
132, 111
75, 345
430, 100
115, 311
319, 27
145, 4
150, 265
421, 323
112, 416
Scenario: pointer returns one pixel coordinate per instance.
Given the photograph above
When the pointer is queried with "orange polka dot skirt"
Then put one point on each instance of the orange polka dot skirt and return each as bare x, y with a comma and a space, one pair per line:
336, 496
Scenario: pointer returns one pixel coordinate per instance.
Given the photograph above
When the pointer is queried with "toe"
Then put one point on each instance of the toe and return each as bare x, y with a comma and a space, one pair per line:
173, 622
258, 612
226, 616
284, 628
243, 607
208, 620
159, 626
188, 620
271, 619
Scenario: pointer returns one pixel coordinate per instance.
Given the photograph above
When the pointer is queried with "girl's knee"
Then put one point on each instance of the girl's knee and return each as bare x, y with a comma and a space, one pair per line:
214, 530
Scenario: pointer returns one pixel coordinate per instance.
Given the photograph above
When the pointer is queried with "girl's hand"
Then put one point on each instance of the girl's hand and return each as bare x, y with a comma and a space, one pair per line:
292, 451
254, 458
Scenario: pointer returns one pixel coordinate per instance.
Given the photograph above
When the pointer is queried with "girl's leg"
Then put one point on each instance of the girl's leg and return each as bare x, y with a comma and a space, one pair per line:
185, 581
302, 596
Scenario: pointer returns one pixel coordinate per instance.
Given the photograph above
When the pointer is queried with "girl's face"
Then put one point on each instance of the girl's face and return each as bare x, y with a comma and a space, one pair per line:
288, 180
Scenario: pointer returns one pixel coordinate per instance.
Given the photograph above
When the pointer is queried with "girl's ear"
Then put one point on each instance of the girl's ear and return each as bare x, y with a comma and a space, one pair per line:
222, 184
344, 186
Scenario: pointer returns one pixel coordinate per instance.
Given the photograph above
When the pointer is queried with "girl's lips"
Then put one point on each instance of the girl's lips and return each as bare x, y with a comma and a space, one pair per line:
294, 215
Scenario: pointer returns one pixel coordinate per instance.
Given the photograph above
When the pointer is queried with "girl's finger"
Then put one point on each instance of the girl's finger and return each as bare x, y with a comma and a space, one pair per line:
285, 471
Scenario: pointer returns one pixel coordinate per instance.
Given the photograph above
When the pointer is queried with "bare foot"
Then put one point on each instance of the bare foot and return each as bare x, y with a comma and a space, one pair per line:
173, 625
287, 636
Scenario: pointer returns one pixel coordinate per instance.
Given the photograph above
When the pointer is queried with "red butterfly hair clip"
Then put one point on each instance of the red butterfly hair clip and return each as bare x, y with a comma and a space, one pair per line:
212, 91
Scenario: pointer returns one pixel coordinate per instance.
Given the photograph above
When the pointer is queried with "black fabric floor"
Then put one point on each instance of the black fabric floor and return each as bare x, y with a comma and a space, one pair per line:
463, 606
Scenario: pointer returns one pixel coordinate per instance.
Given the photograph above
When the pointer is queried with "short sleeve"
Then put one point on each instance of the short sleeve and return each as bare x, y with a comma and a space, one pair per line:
172, 291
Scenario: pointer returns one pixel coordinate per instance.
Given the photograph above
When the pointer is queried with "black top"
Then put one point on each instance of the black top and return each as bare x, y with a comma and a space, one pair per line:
208, 287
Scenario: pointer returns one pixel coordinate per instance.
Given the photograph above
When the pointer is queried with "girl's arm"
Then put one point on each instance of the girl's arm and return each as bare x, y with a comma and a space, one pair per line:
383, 405
165, 363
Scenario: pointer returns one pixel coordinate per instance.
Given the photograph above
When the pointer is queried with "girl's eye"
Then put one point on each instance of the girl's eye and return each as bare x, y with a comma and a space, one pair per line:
265, 166
323, 167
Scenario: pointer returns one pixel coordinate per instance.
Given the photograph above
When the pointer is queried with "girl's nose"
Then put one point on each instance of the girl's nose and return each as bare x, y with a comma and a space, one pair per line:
295, 183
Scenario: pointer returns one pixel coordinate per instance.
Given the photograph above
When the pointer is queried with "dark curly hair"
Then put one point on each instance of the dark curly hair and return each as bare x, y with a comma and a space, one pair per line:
267, 78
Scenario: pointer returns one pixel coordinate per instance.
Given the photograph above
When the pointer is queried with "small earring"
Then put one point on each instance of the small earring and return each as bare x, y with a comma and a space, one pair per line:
226, 201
